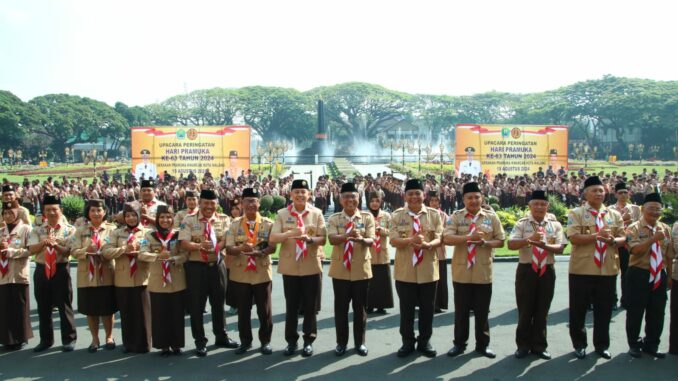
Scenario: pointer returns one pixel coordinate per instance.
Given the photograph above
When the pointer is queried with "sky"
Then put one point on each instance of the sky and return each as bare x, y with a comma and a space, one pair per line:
141, 52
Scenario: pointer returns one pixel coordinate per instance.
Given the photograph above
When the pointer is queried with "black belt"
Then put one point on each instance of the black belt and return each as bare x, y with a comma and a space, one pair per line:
209, 264
59, 264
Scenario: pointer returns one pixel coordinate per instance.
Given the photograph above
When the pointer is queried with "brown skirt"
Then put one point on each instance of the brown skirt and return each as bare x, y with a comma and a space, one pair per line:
380, 292
97, 301
15, 324
135, 318
167, 319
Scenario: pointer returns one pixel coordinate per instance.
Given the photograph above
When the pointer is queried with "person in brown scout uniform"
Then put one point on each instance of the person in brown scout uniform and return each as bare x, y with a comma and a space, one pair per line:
474, 232
147, 206
96, 294
166, 283
415, 232
130, 279
630, 213
380, 292
538, 237
200, 236
595, 232
651, 255
51, 277
351, 233
191, 200
251, 276
9, 197
300, 229
673, 330
442, 296
15, 324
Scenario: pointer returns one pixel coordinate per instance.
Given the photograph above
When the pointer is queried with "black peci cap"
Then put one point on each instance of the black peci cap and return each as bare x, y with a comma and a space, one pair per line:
539, 195
250, 192
414, 184
208, 194
470, 188
348, 187
299, 184
593, 180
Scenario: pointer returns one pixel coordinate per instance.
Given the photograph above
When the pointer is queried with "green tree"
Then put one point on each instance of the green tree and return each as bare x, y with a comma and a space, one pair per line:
277, 112
16, 118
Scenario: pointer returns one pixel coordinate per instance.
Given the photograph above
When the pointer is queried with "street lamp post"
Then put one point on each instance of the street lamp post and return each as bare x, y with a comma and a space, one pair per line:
94, 160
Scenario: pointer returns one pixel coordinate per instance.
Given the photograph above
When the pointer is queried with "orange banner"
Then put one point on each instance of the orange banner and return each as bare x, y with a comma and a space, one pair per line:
180, 150
511, 149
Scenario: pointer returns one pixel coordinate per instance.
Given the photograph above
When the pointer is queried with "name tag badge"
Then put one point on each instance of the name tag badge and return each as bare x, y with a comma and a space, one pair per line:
196, 227
551, 240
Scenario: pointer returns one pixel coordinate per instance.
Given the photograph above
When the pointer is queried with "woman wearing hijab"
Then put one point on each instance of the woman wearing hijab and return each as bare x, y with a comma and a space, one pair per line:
15, 325
380, 292
96, 294
166, 283
130, 280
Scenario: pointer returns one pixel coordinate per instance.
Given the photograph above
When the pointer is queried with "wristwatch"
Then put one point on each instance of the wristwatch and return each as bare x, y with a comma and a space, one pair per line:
309, 240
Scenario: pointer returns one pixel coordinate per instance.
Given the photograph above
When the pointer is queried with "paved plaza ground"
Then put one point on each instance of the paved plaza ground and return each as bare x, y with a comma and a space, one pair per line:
383, 340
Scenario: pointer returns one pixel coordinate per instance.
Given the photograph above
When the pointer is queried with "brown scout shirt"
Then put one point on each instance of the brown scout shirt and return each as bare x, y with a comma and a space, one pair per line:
314, 224
114, 248
63, 236
236, 236
383, 258
581, 221
361, 267
525, 227
193, 229
639, 232
80, 241
181, 215
674, 238
481, 271
633, 210
17, 257
149, 251
401, 227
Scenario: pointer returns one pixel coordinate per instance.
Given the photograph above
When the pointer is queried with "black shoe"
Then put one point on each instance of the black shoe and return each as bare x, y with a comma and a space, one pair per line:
41, 347
456, 351
227, 342
405, 350
340, 350
266, 349
165, 353
370, 310
242, 349
381, 311
427, 350
93, 348
635, 353
201, 351
177, 351
362, 350
544, 355
68, 347
110, 346
604, 353
655, 353
615, 307
14, 347
438, 311
521, 353
487, 352
307, 351
580, 353
290, 349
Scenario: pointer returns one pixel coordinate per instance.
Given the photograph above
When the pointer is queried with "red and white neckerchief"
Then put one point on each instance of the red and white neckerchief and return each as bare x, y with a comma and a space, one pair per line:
377, 238
193, 212
417, 254
251, 232
50, 255
348, 245
4, 261
471, 248
301, 249
165, 243
145, 221
211, 235
92, 263
656, 261
601, 247
539, 255
131, 257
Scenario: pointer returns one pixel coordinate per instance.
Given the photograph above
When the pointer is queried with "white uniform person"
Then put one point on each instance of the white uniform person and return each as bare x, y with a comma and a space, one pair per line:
145, 168
469, 166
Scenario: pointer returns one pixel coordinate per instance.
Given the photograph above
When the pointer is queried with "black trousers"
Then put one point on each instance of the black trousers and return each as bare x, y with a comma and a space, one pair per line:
641, 300
534, 294
56, 292
301, 292
442, 296
167, 311
412, 295
203, 282
476, 297
673, 332
623, 266
346, 293
261, 293
585, 289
